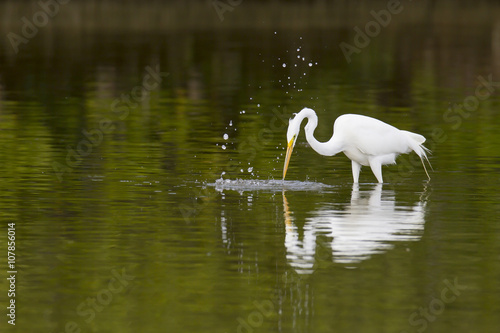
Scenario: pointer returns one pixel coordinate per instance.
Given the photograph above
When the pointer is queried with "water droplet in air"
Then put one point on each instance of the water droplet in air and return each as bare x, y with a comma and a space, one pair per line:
250, 169
226, 136
224, 147
284, 65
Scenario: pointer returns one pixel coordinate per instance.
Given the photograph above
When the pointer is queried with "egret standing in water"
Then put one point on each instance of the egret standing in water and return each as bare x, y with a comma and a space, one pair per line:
365, 140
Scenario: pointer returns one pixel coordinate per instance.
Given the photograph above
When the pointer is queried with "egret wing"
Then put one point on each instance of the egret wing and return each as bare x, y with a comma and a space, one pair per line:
371, 136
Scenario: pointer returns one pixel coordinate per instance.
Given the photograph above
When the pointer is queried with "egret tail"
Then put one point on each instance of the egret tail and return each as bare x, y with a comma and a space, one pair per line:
416, 144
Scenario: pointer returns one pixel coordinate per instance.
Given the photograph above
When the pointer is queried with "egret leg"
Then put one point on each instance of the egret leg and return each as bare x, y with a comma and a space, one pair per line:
376, 169
356, 168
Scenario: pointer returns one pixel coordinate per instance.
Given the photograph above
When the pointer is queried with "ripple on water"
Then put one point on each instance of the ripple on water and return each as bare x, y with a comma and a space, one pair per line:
267, 185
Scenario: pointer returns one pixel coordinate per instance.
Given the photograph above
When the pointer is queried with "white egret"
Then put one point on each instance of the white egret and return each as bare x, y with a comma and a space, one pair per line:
364, 140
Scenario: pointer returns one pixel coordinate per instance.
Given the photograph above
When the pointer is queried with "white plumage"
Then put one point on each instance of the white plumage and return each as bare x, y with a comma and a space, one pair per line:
366, 141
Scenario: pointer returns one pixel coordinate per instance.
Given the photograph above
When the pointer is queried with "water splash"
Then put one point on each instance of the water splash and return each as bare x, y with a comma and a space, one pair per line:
273, 185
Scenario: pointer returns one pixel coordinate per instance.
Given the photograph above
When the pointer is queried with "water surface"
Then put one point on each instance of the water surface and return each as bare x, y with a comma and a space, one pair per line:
147, 154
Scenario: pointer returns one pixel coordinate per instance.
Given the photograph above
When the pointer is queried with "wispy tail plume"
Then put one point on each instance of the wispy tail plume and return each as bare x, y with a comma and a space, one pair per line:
416, 144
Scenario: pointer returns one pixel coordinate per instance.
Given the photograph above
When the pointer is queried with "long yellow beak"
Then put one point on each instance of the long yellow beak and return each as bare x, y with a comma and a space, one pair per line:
288, 155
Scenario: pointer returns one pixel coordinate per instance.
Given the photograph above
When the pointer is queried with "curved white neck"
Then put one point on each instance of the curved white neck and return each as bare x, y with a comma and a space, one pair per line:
329, 148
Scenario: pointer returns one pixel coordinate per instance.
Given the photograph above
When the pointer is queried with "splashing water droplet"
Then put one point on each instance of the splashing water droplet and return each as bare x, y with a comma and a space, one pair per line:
250, 169
224, 147
226, 136
284, 65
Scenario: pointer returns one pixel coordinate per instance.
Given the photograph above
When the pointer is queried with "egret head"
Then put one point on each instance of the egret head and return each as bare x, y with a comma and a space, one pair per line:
291, 138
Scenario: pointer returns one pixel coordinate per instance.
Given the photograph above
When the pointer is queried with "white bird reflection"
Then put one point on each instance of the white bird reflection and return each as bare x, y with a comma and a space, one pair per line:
366, 226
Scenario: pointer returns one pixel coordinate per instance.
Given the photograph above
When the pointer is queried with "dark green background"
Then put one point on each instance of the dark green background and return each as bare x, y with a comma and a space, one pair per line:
204, 258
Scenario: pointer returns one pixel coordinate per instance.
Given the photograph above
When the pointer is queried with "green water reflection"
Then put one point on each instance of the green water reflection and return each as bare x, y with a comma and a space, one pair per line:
141, 160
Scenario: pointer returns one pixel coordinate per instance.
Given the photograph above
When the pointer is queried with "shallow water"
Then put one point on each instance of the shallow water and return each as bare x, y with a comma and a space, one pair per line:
139, 210
242, 185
